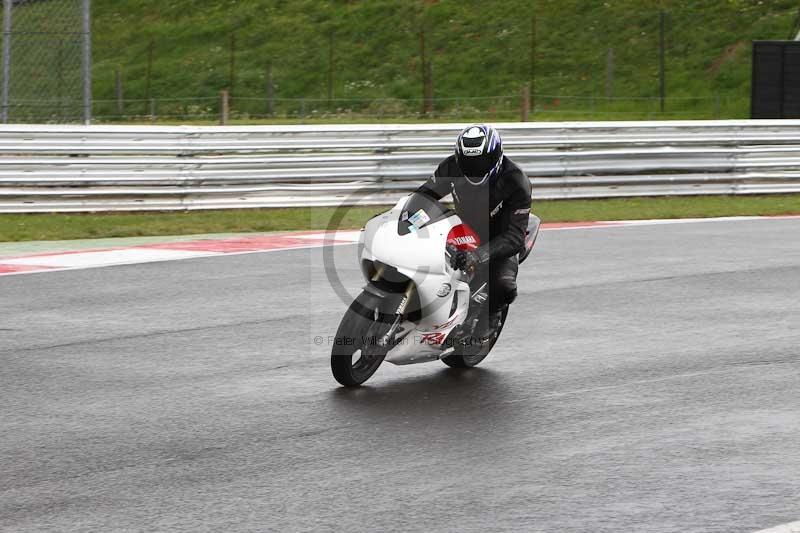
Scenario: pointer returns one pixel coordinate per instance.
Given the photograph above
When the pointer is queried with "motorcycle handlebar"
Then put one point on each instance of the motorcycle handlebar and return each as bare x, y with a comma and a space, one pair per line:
450, 251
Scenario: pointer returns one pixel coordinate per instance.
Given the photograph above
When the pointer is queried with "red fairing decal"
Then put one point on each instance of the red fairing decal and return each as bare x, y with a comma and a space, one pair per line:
432, 338
463, 238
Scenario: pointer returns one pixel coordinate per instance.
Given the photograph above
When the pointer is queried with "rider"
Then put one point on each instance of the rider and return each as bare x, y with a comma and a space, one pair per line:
493, 196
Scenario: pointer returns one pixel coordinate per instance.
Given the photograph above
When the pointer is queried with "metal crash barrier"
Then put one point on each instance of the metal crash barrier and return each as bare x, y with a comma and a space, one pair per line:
47, 168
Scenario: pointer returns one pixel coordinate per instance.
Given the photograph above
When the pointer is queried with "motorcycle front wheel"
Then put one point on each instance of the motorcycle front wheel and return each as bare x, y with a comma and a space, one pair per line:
472, 353
355, 354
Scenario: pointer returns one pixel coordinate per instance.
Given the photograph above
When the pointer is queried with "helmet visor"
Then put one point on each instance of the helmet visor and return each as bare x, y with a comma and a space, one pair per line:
475, 167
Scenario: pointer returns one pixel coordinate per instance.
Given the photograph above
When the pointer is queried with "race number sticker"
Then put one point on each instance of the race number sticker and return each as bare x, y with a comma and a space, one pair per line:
432, 338
419, 219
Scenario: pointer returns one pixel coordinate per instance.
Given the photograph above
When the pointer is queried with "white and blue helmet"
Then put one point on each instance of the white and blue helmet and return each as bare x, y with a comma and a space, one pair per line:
479, 153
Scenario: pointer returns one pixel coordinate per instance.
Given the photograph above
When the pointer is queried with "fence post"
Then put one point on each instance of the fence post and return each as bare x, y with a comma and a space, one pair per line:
428, 104
532, 73
118, 90
63, 98
526, 101
87, 62
153, 110
223, 107
661, 67
330, 70
610, 73
232, 65
7, 7
149, 72
423, 70
270, 90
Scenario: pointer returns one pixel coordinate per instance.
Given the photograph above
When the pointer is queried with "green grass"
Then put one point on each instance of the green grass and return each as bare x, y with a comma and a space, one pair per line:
474, 51
482, 52
30, 227
434, 118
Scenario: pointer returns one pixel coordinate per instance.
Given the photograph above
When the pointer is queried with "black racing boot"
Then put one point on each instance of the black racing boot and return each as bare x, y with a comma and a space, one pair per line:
488, 324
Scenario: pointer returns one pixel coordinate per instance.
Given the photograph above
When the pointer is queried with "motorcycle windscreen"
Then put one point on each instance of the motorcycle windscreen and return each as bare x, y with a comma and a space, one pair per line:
419, 211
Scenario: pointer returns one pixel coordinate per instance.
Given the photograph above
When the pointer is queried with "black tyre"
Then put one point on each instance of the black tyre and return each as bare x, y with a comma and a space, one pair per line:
471, 354
355, 355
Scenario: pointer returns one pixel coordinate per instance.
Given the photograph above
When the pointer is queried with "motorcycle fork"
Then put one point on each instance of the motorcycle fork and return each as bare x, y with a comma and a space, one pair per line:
401, 309
378, 272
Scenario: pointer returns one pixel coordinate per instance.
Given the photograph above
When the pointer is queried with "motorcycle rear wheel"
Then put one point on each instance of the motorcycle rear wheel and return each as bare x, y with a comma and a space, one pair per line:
469, 355
355, 355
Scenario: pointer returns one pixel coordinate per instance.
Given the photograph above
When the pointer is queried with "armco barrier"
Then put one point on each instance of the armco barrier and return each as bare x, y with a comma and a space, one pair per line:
128, 168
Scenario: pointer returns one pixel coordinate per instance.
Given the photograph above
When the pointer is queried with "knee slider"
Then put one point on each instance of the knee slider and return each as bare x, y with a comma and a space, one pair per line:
511, 295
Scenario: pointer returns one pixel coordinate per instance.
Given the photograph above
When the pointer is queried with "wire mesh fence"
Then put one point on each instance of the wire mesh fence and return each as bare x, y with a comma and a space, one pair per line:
384, 59
489, 108
418, 59
45, 43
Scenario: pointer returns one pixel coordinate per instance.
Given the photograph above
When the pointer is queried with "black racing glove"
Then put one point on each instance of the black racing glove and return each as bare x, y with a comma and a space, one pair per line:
469, 260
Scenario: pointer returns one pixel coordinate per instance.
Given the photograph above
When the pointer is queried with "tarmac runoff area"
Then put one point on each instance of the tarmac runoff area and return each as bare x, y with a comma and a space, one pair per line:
647, 380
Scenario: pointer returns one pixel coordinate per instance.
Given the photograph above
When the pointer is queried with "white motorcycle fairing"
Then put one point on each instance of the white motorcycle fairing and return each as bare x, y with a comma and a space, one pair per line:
415, 307
420, 256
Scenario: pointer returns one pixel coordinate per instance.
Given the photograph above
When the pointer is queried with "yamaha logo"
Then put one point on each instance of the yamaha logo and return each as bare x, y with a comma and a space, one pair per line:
444, 290
466, 239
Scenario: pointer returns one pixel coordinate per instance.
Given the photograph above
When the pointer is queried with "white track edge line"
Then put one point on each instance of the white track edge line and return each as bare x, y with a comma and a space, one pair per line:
601, 224
791, 527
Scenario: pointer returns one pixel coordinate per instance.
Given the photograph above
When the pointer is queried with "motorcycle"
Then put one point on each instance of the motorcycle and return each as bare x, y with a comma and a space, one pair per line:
415, 307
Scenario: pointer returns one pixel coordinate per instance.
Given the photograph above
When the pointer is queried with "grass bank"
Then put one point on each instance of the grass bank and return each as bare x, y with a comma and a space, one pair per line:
35, 227
361, 59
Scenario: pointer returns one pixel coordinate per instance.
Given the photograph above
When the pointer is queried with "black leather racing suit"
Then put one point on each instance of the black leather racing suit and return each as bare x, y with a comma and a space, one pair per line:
498, 211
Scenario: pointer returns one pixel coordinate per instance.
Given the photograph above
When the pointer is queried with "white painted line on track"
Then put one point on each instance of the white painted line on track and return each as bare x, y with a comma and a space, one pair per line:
659, 222
39, 269
105, 258
656, 221
793, 527
345, 236
263, 243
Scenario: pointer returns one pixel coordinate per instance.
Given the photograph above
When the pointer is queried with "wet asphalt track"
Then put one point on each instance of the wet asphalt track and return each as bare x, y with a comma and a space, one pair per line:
648, 380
